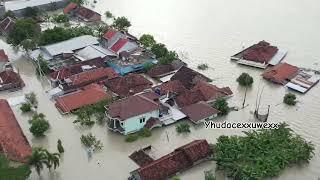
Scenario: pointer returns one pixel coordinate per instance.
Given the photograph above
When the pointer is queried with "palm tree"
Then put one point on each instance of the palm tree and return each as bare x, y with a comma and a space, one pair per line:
53, 159
38, 159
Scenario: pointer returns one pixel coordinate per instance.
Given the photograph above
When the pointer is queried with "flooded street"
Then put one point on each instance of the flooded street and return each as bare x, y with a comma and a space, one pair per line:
207, 31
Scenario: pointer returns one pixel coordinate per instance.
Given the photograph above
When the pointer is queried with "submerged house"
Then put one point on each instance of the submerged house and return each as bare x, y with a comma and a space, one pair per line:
85, 96
179, 160
131, 114
87, 77
83, 13
18, 7
124, 40
4, 60
10, 80
133, 61
260, 55
281, 73
93, 52
128, 85
200, 112
64, 49
189, 77
6, 25
303, 82
13, 143
163, 72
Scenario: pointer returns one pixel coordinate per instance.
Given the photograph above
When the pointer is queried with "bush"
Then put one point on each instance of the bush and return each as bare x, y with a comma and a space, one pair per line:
147, 40
203, 66
90, 141
208, 175
261, 154
31, 98
38, 125
61, 18
144, 132
183, 128
60, 147
245, 79
121, 23
23, 29
132, 138
25, 107
222, 105
290, 99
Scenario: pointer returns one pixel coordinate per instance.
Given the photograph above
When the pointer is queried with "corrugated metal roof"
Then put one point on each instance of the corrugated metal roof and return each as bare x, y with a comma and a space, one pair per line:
93, 51
21, 4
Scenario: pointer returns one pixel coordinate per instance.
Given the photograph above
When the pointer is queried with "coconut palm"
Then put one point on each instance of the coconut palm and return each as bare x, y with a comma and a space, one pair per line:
38, 159
53, 159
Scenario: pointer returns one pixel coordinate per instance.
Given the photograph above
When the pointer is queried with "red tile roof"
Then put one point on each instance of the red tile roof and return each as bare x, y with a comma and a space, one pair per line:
87, 77
11, 77
73, 69
174, 86
119, 44
180, 159
188, 77
152, 123
71, 6
13, 142
90, 94
202, 91
199, 111
262, 52
3, 56
128, 85
160, 71
88, 14
133, 106
109, 34
281, 73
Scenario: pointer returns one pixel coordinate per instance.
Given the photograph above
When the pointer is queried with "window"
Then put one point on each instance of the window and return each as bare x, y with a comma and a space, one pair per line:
142, 120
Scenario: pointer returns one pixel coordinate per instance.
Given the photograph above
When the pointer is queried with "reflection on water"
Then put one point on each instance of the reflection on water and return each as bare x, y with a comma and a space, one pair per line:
207, 31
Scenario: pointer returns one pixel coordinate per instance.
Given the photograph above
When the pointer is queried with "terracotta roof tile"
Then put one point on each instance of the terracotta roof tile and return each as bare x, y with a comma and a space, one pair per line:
3, 56
128, 85
160, 71
88, 13
262, 52
90, 94
133, 106
11, 77
71, 6
12, 140
199, 111
180, 159
110, 33
188, 77
281, 73
174, 86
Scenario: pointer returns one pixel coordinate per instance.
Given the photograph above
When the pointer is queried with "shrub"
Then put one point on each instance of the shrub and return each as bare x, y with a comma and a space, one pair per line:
25, 107
290, 99
222, 105
183, 128
144, 132
203, 66
131, 138
208, 175
38, 125
61, 18
90, 141
31, 98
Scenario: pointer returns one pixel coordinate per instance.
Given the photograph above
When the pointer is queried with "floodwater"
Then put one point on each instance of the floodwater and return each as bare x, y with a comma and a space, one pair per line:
206, 31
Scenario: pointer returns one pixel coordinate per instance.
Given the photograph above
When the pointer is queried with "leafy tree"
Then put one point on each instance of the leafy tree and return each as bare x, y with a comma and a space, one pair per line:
25, 107
28, 44
38, 125
121, 23
9, 14
108, 14
31, 12
23, 29
21, 172
222, 105
84, 118
31, 98
90, 141
147, 40
290, 99
60, 147
183, 128
203, 66
41, 157
245, 80
61, 18
42, 66
168, 58
262, 153
160, 50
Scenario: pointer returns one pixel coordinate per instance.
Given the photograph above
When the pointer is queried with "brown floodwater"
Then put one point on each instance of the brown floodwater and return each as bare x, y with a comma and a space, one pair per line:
206, 31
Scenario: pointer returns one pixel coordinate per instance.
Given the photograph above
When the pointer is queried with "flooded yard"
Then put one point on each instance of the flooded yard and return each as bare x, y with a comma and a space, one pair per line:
207, 31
